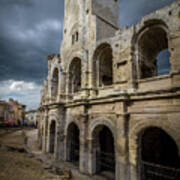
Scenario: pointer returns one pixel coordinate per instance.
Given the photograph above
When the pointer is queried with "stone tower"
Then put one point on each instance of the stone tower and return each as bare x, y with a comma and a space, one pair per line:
87, 21
105, 13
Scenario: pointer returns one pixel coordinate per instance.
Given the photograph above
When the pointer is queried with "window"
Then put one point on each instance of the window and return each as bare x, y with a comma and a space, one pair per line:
75, 37
153, 54
103, 61
75, 75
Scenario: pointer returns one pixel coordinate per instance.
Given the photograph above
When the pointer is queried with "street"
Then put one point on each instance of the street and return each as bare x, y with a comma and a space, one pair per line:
15, 162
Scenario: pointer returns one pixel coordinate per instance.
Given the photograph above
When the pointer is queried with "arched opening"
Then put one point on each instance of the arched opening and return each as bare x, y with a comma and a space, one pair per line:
103, 152
153, 54
73, 144
52, 137
159, 157
54, 81
75, 76
103, 66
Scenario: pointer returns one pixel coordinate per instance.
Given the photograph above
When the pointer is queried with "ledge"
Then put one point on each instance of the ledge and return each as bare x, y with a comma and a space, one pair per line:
155, 78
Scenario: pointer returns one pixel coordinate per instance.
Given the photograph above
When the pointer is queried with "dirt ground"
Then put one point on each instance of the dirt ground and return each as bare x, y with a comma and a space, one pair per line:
15, 164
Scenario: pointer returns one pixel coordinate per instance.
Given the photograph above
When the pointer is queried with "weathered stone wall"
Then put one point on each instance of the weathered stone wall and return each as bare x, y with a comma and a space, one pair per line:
126, 107
103, 7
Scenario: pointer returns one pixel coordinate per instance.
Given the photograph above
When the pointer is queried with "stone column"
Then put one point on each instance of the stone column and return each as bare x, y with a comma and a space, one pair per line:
92, 149
91, 160
48, 138
121, 145
122, 168
92, 75
56, 143
45, 130
67, 86
133, 163
60, 147
65, 156
62, 86
83, 146
44, 134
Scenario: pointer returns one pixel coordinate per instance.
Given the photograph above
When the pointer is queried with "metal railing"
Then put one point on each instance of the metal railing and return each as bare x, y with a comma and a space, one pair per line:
150, 171
74, 154
105, 161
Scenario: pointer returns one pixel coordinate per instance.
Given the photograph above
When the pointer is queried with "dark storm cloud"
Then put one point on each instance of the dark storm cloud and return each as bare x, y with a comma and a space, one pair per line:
30, 30
131, 11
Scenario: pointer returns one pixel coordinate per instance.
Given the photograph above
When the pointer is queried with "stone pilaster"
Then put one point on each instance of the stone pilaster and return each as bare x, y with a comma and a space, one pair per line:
83, 146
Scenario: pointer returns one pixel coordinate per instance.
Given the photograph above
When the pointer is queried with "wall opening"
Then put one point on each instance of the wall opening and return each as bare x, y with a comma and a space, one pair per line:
103, 66
55, 81
159, 157
153, 55
52, 137
75, 76
163, 63
77, 36
73, 144
104, 152
73, 39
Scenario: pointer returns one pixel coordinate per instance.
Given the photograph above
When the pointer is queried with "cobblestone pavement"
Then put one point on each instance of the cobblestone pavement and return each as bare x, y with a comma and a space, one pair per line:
15, 163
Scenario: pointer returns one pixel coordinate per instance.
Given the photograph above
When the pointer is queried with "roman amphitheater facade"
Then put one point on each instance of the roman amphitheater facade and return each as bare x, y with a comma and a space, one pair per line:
105, 106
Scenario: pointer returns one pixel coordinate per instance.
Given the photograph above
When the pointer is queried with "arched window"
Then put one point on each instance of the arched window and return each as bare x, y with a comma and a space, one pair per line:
55, 82
75, 75
153, 55
103, 75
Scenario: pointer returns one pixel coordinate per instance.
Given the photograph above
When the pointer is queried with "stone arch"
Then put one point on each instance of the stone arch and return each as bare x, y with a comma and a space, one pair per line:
75, 75
143, 135
73, 55
74, 28
53, 116
70, 122
139, 127
151, 53
134, 142
103, 65
101, 121
102, 141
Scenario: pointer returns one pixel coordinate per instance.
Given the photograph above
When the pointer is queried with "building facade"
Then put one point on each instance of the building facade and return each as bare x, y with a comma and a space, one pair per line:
6, 114
31, 118
18, 110
106, 106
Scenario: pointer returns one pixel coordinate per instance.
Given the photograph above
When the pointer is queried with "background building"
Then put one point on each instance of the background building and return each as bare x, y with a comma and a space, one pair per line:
31, 118
6, 113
